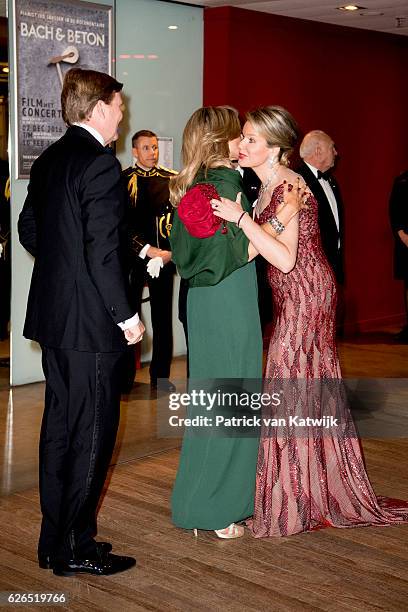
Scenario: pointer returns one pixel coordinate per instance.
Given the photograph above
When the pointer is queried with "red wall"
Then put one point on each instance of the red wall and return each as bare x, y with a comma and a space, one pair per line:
353, 85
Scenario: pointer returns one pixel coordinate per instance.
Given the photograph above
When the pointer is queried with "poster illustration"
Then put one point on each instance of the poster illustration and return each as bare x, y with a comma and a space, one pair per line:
165, 151
51, 38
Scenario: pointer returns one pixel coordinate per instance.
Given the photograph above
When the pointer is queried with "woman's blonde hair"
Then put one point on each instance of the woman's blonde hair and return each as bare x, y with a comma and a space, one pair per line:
278, 127
205, 144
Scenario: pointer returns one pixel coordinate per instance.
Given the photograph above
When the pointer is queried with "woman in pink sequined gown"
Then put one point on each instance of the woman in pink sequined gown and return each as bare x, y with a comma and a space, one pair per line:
312, 477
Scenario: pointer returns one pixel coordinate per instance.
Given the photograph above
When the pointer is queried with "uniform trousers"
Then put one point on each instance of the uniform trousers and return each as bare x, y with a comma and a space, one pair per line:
161, 302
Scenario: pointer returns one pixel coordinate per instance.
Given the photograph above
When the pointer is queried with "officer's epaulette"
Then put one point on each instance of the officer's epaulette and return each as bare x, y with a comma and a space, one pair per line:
167, 170
132, 186
7, 189
127, 171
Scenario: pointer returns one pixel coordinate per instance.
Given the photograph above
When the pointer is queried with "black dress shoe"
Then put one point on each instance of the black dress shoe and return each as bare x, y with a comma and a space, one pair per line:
402, 336
105, 565
47, 561
162, 384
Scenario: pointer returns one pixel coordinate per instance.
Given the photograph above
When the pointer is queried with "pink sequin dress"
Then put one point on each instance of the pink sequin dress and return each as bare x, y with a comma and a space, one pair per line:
312, 477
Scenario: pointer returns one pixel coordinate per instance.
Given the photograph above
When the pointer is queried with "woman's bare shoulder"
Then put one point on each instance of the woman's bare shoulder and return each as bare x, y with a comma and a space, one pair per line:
292, 177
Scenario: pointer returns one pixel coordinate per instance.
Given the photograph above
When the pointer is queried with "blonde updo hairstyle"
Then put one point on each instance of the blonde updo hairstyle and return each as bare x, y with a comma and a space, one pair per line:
205, 145
278, 127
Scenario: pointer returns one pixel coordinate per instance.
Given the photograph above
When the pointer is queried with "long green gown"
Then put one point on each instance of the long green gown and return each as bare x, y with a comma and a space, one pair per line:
215, 481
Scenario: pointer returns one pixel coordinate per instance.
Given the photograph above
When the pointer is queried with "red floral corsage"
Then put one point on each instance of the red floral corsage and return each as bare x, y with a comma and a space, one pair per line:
196, 213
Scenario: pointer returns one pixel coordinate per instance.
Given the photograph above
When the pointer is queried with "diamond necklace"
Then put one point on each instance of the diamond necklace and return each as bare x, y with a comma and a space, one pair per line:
263, 189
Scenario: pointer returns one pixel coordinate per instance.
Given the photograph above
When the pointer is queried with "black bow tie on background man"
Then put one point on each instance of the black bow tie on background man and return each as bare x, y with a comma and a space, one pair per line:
323, 175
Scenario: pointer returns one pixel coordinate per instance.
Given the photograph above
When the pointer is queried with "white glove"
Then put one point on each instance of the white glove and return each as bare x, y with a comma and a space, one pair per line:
154, 266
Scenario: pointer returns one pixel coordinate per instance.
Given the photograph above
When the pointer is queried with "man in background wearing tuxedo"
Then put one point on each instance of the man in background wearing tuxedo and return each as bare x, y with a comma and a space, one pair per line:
78, 311
318, 154
399, 225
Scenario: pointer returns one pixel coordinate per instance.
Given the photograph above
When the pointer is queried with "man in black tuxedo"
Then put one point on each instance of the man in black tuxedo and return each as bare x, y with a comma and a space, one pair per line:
78, 311
318, 154
399, 225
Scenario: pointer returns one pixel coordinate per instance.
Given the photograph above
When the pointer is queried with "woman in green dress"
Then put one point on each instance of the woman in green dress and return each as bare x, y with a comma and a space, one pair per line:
215, 482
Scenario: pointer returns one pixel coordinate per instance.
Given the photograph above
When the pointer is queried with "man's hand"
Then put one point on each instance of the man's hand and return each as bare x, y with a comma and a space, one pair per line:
155, 252
403, 237
166, 256
135, 334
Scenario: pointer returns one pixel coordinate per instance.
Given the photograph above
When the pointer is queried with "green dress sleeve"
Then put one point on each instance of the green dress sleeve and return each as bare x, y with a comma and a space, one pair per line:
207, 261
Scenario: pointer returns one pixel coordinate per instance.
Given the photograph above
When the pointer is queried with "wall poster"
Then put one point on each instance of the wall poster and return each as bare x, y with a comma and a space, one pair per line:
51, 38
165, 151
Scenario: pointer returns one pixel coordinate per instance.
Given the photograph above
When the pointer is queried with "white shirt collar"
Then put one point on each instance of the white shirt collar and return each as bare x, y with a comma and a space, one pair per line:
331, 198
92, 131
312, 168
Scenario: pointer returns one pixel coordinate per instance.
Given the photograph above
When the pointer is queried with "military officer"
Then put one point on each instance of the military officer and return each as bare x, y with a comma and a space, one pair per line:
150, 217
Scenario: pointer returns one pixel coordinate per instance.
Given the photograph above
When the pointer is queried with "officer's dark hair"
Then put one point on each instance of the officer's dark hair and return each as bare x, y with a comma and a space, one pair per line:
142, 133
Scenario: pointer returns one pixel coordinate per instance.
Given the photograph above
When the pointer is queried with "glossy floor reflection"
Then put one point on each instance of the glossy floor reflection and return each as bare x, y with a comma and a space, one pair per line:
4, 364
374, 355
328, 570
20, 421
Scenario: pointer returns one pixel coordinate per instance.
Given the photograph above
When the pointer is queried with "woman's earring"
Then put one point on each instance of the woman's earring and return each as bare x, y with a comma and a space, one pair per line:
272, 161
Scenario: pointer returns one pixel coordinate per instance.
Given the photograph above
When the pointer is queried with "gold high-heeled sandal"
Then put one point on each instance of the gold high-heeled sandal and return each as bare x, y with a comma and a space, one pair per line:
231, 532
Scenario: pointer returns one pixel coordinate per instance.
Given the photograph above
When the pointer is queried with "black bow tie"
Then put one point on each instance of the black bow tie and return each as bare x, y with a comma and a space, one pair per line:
323, 175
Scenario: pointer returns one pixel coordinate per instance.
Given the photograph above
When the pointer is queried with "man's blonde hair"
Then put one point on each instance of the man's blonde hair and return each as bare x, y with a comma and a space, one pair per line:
81, 91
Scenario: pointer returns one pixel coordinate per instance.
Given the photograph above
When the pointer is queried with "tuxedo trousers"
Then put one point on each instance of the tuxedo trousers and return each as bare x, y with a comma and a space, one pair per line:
78, 433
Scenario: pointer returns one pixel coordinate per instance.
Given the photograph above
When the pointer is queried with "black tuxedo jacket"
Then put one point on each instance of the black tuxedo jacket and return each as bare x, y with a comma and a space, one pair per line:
71, 223
252, 184
328, 229
399, 221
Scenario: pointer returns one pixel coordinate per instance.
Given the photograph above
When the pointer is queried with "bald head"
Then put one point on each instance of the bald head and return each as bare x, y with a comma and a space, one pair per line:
318, 150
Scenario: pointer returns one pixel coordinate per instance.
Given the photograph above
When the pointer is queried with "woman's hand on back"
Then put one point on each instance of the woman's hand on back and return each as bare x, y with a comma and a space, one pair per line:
227, 209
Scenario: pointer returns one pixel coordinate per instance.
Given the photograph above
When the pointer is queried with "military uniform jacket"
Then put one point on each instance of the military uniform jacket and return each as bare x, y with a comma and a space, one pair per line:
150, 214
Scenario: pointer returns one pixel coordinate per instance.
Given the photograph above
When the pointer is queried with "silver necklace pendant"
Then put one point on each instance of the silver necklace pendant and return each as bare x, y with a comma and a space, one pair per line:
264, 188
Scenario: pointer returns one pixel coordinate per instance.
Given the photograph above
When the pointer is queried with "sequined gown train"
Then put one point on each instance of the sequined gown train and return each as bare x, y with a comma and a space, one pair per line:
310, 480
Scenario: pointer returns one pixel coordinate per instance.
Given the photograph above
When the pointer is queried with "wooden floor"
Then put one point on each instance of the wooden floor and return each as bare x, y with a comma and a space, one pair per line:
360, 569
